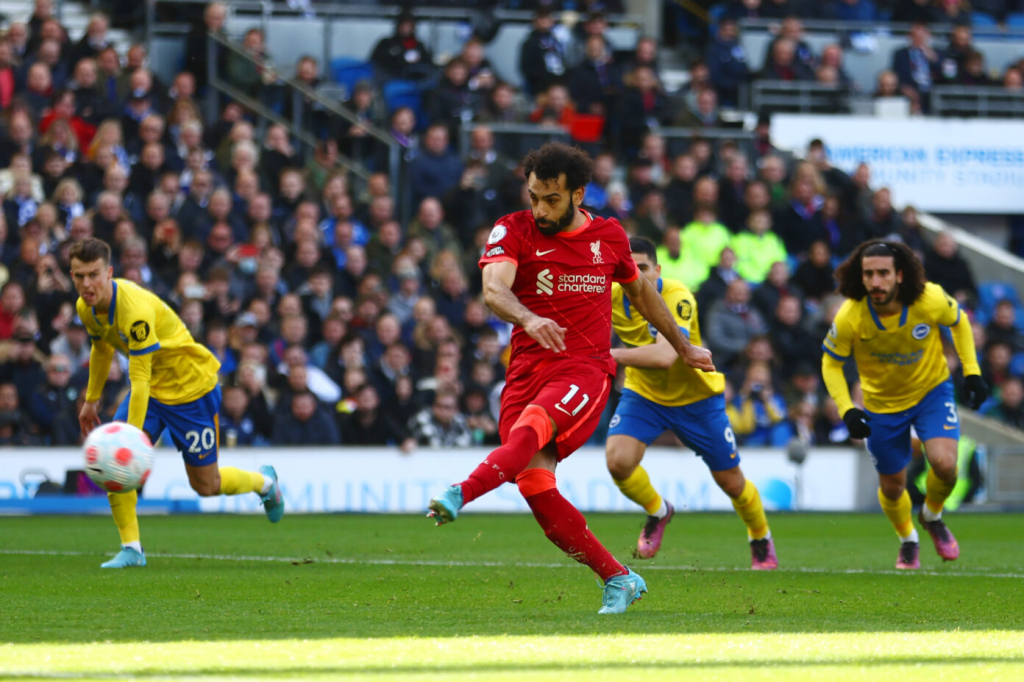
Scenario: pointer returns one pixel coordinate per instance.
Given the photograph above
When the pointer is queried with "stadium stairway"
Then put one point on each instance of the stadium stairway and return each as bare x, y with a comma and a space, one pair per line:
74, 16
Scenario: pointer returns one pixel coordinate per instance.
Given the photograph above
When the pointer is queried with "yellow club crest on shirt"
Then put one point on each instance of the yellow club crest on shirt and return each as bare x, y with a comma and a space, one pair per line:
685, 310
140, 331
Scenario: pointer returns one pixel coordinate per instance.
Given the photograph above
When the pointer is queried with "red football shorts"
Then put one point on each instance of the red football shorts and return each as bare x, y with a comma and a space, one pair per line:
572, 391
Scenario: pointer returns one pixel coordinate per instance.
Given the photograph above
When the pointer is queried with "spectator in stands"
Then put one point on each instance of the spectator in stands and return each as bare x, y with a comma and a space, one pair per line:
799, 224
947, 268
883, 221
369, 425
829, 428
1013, 80
502, 106
679, 191
15, 427
402, 55
643, 105
757, 247
974, 71
1003, 327
760, 414
784, 65
1009, 408
52, 404
595, 83
705, 115
705, 236
679, 263
832, 57
436, 234
645, 54
953, 11
442, 425
554, 108
952, 60
995, 367
727, 63
887, 85
814, 275
914, 66
451, 102
915, 11
23, 365
792, 29
482, 78
305, 423
777, 285
237, 426
542, 55
732, 323
855, 10
436, 169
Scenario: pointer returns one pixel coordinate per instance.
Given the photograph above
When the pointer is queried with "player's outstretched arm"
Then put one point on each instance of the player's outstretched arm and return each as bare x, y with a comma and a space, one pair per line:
100, 356
498, 279
140, 371
658, 355
652, 306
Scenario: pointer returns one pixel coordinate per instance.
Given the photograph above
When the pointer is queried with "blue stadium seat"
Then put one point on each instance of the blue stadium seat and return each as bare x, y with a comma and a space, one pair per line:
399, 94
348, 72
716, 12
991, 293
1017, 365
979, 19
1015, 20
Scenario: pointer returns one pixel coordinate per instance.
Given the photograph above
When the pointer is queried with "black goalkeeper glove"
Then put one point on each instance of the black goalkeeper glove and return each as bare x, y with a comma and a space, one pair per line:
975, 391
857, 423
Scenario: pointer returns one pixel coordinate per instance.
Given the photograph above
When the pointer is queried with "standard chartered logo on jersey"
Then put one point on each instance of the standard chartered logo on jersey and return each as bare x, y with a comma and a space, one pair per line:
582, 284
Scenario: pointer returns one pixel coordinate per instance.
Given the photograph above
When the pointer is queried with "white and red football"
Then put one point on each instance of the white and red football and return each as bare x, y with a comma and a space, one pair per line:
118, 457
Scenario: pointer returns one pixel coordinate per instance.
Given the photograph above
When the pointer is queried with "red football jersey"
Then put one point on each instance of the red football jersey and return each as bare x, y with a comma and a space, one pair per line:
566, 278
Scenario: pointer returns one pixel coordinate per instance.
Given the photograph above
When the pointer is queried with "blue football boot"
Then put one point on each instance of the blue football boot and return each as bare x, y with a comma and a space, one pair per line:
273, 502
126, 558
622, 590
445, 507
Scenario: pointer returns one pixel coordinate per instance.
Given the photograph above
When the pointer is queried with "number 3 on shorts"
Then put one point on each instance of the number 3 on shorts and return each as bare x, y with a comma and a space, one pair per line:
206, 438
952, 417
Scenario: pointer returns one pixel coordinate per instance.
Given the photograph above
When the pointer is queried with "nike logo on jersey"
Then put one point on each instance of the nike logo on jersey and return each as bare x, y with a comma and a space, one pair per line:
544, 253
562, 409
948, 428
204, 456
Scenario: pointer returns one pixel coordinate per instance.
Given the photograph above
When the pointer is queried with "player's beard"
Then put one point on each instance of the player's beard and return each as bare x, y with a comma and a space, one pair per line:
550, 229
889, 295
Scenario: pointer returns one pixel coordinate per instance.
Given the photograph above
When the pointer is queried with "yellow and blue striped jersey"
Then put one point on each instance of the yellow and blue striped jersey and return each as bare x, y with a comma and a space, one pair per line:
139, 323
899, 357
680, 384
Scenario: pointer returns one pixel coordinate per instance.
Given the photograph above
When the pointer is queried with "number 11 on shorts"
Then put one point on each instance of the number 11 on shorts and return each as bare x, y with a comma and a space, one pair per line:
573, 390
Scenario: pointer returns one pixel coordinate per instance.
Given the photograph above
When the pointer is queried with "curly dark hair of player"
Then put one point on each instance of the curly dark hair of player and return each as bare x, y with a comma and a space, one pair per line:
555, 158
850, 273
90, 250
644, 246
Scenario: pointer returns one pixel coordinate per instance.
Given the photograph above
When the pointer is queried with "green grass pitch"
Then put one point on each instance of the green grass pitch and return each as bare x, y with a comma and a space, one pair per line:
391, 598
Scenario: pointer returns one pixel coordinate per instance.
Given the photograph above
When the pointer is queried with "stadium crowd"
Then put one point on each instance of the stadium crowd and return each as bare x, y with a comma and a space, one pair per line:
337, 322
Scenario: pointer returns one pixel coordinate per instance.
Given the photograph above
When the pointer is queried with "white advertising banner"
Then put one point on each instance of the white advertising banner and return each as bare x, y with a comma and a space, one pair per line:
938, 165
375, 480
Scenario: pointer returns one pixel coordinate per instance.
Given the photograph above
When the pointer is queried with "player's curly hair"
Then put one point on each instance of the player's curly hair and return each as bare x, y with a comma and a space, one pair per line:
850, 273
555, 158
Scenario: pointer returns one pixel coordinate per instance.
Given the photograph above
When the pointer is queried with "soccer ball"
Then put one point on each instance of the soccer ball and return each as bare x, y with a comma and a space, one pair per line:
118, 457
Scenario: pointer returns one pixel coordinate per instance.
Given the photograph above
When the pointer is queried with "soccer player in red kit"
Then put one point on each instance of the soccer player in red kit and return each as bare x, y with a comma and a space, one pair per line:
549, 272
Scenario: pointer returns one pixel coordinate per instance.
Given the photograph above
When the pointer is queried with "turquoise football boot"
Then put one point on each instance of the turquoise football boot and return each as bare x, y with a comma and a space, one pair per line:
126, 558
622, 590
273, 502
445, 507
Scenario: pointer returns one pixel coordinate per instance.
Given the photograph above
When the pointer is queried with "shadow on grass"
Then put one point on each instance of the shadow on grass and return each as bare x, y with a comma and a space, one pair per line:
628, 667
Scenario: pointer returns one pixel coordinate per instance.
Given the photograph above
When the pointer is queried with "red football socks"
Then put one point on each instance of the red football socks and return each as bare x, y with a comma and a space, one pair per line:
564, 525
502, 465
